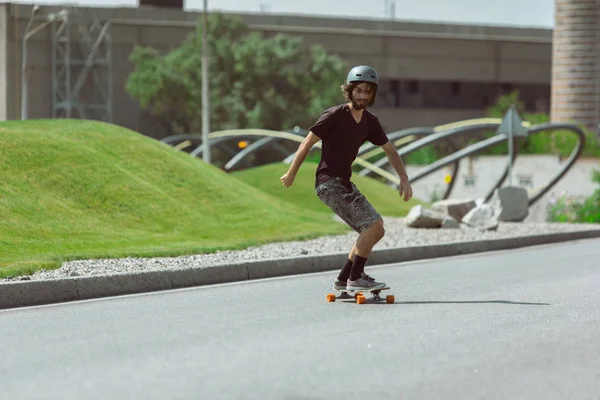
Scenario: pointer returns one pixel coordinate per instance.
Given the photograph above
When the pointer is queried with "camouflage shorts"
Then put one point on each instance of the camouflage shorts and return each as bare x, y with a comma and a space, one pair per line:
344, 199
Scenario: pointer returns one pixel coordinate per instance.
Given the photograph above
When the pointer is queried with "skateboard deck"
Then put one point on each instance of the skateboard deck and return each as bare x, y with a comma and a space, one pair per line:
359, 297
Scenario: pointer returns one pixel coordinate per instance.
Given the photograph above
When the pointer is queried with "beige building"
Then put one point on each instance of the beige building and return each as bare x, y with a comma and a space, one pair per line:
430, 73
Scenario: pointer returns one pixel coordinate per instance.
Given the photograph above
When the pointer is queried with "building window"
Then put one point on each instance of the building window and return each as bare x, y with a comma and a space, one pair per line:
454, 94
506, 88
469, 180
413, 87
455, 88
525, 180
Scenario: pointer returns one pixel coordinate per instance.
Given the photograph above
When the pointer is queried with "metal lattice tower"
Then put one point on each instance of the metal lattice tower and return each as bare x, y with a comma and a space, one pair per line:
81, 68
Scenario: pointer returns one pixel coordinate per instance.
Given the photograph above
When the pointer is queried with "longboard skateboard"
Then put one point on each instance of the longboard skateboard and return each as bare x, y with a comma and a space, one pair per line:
359, 296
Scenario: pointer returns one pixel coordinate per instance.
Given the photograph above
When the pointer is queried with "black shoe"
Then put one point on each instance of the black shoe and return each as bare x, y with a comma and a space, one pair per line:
339, 285
367, 277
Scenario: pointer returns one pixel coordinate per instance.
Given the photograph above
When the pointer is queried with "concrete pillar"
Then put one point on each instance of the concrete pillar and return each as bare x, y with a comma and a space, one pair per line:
3, 62
576, 63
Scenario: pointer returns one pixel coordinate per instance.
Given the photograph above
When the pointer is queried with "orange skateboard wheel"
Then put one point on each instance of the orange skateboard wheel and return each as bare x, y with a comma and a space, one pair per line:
331, 298
361, 299
389, 298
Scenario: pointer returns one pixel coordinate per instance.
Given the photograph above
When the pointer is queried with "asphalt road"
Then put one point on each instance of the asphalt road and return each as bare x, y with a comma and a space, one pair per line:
521, 324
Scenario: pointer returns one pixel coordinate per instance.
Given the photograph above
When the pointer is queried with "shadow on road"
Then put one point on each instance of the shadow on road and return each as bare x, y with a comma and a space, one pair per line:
516, 303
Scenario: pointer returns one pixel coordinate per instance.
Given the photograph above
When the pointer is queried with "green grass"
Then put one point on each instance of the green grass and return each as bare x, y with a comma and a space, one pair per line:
302, 193
73, 189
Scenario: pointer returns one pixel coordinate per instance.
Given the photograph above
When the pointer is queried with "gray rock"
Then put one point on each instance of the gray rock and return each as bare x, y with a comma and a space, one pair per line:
450, 223
421, 217
456, 208
482, 217
513, 202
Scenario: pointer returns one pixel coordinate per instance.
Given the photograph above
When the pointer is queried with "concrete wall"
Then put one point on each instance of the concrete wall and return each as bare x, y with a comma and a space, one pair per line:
399, 118
398, 50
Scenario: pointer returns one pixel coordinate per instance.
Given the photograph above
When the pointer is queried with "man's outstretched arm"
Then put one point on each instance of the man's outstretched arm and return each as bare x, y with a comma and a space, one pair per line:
309, 141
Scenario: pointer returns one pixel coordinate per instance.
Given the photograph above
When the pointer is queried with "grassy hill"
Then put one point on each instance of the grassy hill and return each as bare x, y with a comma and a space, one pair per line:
81, 189
302, 193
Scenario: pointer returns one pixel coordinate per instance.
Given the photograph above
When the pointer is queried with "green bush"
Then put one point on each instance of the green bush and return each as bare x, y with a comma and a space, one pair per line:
423, 156
559, 142
578, 210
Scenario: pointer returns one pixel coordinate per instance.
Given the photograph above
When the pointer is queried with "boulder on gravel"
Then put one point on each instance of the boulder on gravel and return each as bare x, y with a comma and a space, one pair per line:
514, 203
508, 204
456, 208
421, 217
482, 217
450, 223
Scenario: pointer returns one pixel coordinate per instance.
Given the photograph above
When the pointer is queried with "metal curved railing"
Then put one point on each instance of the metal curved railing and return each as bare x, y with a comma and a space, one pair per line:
469, 126
411, 140
575, 154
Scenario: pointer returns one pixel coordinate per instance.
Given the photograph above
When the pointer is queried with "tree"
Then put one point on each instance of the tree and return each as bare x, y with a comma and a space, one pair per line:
503, 103
256, 81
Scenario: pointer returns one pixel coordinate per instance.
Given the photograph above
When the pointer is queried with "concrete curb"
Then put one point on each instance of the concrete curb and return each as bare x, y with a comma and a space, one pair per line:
31, 293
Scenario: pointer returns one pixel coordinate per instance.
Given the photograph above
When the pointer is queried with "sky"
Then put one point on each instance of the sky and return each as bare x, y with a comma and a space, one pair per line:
532, 13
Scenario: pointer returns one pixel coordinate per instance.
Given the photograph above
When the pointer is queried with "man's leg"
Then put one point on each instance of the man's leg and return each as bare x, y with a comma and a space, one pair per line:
331, 193
352, 207
364, 245
345, 272
352, 252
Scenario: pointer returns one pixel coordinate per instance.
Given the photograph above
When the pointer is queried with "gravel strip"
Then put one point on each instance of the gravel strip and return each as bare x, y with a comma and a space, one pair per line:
397, 235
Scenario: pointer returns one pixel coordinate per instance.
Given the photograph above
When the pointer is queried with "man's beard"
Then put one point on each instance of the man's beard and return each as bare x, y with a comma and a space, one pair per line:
359, 106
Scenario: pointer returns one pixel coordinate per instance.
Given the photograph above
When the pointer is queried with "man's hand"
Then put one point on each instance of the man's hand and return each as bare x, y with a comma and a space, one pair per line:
287, 180
405, 189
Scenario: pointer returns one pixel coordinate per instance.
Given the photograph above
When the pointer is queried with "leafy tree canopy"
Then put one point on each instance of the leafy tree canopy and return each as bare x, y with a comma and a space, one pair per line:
256, 80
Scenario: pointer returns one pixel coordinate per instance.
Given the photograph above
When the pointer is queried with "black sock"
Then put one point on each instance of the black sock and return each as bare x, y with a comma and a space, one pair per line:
345, 272
357, 267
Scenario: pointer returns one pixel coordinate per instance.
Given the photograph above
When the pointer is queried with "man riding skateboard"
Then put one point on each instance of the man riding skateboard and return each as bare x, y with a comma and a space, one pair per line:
343, 129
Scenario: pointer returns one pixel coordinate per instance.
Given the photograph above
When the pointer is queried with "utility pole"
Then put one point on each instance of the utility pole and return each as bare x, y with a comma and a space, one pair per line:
205, 94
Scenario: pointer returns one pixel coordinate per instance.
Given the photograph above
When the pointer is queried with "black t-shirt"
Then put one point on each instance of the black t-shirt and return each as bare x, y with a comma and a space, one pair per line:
341, 138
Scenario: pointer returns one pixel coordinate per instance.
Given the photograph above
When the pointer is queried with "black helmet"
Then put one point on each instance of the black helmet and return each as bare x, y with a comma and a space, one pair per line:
363, 73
